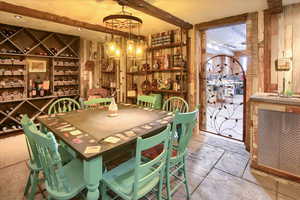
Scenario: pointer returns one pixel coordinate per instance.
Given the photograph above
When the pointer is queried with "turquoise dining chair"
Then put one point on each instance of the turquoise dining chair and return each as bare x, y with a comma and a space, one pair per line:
176, 160
134, 179
34, 162
176, 103
97, 102
61, 182
63, 105
146, 101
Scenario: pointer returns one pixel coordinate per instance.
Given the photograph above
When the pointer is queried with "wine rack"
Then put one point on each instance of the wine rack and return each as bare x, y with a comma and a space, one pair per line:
19, 45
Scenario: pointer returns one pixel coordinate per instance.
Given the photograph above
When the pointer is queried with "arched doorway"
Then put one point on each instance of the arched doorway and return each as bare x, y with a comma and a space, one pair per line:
225, 96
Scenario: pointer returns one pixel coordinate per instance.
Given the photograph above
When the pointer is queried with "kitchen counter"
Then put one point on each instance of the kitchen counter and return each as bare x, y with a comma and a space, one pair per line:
275, 99
274, 134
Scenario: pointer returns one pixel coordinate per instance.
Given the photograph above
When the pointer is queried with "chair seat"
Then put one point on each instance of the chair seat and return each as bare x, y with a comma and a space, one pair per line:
74, 175
121, 180
155, 151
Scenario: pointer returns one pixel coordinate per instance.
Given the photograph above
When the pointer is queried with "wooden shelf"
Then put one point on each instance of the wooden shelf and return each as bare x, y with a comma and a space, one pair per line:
167, 46
66, 85
12, 87
10, 64
138, 73
181, 69
12, 75
10, 131
108, 72
66, 74
66, 66
166, 91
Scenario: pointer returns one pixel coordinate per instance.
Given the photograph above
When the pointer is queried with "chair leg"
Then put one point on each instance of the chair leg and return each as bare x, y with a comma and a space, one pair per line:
186, 180
28, 184
160, 186
168, 184
104, 195
34, 185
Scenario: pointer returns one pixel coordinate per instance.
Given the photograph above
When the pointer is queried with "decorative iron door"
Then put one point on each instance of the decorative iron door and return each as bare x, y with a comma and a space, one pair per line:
225, 83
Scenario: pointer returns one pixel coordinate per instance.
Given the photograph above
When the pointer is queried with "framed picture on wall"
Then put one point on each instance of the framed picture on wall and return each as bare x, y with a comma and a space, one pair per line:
37, 65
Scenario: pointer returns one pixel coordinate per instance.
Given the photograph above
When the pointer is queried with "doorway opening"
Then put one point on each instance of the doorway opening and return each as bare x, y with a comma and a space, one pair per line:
225, 67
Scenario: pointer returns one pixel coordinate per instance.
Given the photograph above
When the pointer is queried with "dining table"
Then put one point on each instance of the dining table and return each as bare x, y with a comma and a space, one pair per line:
91, 133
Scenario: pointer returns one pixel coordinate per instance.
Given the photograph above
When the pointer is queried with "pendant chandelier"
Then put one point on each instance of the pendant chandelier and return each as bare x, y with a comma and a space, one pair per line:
124, 21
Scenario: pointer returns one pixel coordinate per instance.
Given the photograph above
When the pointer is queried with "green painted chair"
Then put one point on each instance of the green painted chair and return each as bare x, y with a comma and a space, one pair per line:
176, 103
60, 106
146, 101
34, 162
176, 161
176, 164
97, 102
63, 105
62, 182
134, 179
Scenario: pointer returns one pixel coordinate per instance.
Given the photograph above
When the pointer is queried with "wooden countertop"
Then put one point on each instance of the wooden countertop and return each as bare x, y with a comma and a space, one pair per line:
275, 99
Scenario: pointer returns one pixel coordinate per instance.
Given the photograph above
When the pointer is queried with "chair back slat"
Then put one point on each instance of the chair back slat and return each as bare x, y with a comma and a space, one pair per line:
31, 146
50, 159
146, 101
183, 125
63, 105
97, 102
176, 103
146, 172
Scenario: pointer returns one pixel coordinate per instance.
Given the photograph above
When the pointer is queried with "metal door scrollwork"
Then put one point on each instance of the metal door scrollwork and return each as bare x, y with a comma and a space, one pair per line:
225, 83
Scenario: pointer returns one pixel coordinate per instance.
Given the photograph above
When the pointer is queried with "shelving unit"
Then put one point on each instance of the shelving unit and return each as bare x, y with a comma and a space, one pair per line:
109, 73
166, 66
19, 47
168, 61
136, 73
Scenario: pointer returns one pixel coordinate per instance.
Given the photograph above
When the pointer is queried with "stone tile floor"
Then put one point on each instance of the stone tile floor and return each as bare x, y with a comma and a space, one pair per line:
218, 169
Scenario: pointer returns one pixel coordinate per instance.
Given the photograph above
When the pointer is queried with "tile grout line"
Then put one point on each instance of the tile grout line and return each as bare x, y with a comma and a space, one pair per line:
248, 162
208, 173
214, 146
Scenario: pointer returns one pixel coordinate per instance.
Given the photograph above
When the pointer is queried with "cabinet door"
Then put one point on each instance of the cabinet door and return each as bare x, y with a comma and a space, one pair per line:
269, 129
289, 158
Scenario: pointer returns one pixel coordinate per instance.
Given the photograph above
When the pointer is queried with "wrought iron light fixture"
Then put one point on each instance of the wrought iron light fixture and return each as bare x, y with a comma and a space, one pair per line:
124, 21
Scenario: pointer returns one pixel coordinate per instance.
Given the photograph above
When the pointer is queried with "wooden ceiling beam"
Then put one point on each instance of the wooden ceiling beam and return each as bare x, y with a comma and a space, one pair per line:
154, 11
29, 12
275, 6
227, 21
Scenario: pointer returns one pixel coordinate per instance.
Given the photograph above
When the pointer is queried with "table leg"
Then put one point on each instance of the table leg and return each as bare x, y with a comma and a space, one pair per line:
92, 176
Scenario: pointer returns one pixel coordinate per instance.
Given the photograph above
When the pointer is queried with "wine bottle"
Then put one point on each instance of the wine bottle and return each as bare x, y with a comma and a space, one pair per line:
30, 89
34, 92
42, 92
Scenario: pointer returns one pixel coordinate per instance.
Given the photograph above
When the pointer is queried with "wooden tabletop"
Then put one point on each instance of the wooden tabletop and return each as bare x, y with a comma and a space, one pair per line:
93, 132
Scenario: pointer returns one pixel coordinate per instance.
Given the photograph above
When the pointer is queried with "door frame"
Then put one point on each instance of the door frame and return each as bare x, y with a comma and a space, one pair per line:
201, 28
